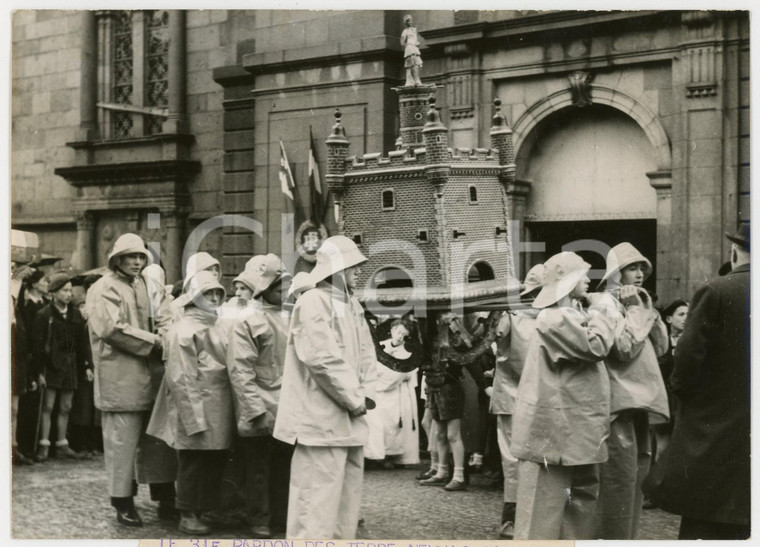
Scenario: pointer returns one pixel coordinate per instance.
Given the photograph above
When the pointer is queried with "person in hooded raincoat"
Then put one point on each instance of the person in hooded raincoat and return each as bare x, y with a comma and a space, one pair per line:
198, 262
560, 420
636, 391
199, 422
328, 377
255, 357
242, 303
513, 335
123, 345
156, 460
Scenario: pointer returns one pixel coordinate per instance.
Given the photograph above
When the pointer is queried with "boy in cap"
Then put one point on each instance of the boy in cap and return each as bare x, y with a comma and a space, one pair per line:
513, 335
561, 413
637, 391
329, 369
60, 348
255, 357
123, 341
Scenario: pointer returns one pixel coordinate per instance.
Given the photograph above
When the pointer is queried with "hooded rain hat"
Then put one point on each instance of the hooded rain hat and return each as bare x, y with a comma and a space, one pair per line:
562, 272
198, 263
128, 244
621, 256
200, 283
336, 254
534, 279
261, 272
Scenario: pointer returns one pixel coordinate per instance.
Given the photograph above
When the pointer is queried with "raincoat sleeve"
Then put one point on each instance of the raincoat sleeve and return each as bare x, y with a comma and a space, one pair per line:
631, 333
317, 348
180, 376
690, 366
110, 324
659, 337
567, 337
243, 352
164, 317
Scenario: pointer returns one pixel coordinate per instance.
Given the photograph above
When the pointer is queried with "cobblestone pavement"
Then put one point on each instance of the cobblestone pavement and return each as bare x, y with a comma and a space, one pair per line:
68, 499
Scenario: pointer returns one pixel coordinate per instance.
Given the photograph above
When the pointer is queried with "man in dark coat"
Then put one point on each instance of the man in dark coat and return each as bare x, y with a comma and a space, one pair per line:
707, 468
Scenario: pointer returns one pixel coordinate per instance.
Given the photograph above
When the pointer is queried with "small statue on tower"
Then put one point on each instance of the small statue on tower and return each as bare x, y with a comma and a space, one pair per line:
412, 59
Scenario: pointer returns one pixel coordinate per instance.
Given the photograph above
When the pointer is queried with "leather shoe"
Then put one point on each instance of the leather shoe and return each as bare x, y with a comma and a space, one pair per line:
422, 475
261, 531
434, 481
20, 459
64, 452
455, 486
507, 530
129, 517
190, 524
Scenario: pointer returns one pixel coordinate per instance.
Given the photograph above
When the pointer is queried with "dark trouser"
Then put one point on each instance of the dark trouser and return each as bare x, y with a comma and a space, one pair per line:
161, 492
199, 478
267, 481
704, 529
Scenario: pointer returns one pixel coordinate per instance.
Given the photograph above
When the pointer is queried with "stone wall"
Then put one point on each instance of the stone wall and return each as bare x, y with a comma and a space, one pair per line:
45, 115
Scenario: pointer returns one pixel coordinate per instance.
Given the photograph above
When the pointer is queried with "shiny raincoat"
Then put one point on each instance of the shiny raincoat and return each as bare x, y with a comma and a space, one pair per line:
329, 369
194, 406
635, 378
514, 332
562, 411
122, 341
256, 357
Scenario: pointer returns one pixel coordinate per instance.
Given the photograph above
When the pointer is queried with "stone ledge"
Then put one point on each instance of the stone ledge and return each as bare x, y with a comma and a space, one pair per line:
367, 49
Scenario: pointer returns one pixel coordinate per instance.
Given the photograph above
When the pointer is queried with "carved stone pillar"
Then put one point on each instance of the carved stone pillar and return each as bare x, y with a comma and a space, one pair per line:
88, 78
84, 254
518, 192
172, 259
666, 286
177, 120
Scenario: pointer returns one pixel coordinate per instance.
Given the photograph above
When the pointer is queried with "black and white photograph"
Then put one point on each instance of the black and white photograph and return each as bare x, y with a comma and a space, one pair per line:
364, 274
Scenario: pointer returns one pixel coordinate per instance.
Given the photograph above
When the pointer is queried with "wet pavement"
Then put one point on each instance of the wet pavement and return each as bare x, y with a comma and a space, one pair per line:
68, 499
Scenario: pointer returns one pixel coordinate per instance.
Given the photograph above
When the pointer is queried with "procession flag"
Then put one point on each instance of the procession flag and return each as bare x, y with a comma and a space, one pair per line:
287, 183
292, 213
318, 197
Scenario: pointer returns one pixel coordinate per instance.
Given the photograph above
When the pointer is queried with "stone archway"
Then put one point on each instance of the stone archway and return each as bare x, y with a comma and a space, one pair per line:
659, 179
603, 95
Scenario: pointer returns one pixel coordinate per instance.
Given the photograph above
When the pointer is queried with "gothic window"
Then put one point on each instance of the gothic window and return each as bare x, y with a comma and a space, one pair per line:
123, 71
473, 193
133, 66
157, 71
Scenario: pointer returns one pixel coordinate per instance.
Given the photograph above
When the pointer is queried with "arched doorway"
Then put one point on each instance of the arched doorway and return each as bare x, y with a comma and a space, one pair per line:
588, 168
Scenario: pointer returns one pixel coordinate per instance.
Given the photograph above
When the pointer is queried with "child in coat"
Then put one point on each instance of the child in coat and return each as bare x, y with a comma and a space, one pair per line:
561, 414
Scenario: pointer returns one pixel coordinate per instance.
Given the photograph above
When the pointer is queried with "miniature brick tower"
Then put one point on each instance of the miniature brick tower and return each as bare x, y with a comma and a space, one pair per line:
426, 215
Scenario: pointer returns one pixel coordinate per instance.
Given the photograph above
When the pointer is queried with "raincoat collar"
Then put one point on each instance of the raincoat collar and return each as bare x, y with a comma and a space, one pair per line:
201, 315
335, 292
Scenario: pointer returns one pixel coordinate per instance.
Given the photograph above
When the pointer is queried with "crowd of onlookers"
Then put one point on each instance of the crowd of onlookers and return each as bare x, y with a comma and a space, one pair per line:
588, 399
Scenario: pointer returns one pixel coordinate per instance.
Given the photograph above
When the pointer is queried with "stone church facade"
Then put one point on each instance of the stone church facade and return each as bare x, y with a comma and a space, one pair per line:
626, 125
